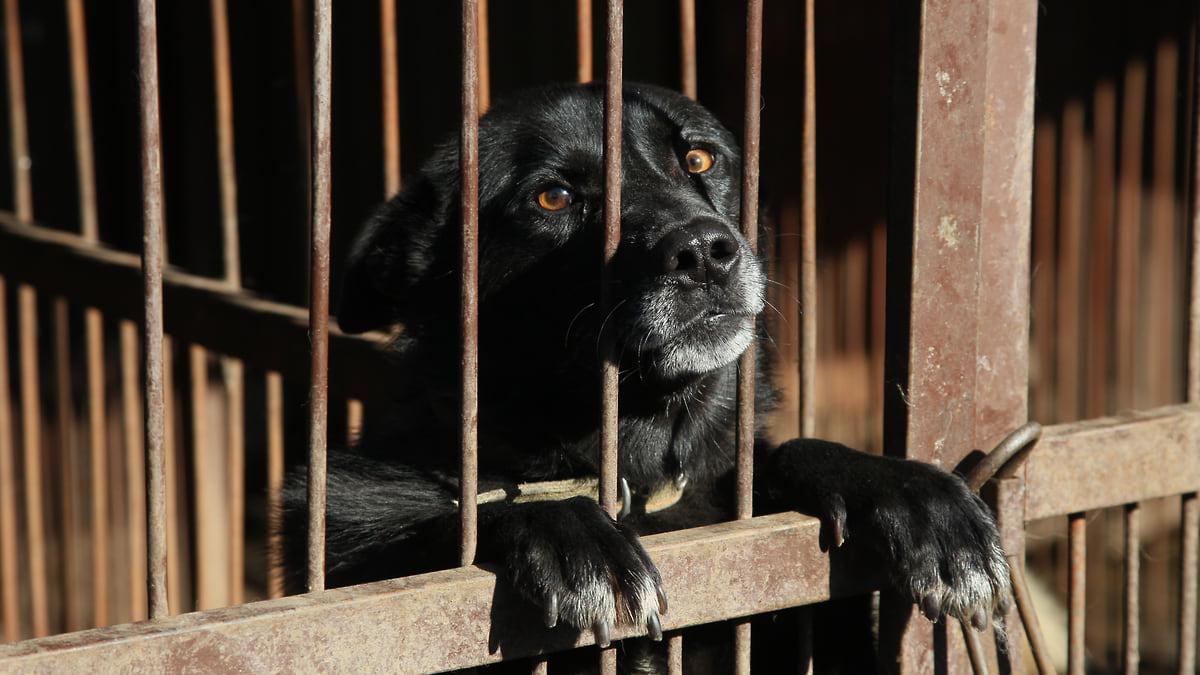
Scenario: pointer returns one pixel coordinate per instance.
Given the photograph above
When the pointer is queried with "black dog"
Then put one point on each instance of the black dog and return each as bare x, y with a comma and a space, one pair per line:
686, 290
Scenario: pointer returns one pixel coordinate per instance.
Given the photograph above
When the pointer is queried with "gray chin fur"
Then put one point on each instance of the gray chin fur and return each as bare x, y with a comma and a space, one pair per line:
704, 350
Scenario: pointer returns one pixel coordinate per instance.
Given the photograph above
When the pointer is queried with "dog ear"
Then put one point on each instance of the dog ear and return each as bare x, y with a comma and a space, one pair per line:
394, 254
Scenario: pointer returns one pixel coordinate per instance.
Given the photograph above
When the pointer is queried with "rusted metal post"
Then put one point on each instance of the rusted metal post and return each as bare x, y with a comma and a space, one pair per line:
1077, 594
958, 263
469, 153
318, 305
1133, 551
687, 47
583, 40
808, 233
10, 608
152, 264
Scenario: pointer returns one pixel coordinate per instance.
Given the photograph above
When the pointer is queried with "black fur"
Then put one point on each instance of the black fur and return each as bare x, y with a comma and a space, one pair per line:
685, 292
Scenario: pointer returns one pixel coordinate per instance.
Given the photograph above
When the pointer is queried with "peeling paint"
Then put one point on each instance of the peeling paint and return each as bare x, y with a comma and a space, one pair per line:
948, 231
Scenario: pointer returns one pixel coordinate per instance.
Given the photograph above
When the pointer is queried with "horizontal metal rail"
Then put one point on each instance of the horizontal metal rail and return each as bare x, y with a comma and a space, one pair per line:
455, 618
459, 618
198, 309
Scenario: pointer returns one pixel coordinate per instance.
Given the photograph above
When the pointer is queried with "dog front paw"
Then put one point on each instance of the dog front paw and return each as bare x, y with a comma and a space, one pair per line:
936, 539
580, 566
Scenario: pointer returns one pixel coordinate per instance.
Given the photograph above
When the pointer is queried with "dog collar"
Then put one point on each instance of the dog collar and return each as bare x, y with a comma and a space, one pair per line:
652, 501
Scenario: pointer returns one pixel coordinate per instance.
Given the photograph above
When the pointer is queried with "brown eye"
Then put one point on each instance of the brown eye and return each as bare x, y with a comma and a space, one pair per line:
698, 161
555, 199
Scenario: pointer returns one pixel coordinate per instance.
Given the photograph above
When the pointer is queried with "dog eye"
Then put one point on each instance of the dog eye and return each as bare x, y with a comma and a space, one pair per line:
555, 199
698, 161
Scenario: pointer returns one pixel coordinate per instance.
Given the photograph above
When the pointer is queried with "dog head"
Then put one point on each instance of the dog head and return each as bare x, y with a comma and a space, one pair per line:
684, 285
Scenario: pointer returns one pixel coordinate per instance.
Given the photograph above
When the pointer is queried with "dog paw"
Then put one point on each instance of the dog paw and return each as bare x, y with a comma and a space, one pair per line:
581, 567
936, 540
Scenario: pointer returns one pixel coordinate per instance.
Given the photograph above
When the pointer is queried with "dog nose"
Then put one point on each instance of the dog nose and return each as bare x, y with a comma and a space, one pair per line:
701, 253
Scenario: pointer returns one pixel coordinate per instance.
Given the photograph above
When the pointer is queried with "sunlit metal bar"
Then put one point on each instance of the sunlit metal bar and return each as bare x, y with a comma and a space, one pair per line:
483, 65
318, 306
469, 316
1077, 593
808, 233
27, 328
1128, 242
1190, 547
232, 370
135, 469
208, 531
675, 654
583, 40
687, 47
10, 607
152, 264
176, 526
65, 414
391, 97
613, 113
749, 222
274, 477
1132, 567
1160, 277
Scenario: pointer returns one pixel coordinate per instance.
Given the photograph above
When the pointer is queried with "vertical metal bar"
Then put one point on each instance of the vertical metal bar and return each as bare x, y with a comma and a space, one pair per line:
232, 370
687, 47
1024, 602
19, 137
469, 317
135, 469
94, 322
1189, 560
9, 600
65, 413
1104, 132
808, 233
1070, 228
175, 497
613, 115
318, 306
675, 654
1077, 593
391, 97
483, 65
31, 424
749, 223
1132, 567
152, 264
275, 477
208, 536
1128, 241
583, 40
1160, 244
1045, 171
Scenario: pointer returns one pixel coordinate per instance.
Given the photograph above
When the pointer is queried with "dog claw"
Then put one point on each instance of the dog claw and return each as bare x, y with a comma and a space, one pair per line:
979, 619
931, 607
600, 630
654, 628
551, 616
662, 599
626, 500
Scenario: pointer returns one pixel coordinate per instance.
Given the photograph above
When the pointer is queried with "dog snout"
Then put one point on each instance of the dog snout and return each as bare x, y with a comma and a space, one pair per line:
701, 253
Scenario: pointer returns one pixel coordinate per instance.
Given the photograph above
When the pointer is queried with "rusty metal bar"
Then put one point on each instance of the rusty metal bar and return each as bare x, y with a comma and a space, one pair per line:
31, 427
749, 223
287, 633
1074, 171
152, 264
1024, 602
274, 410
1099, 259
483, 66
469, 316
1160, 244
391, 97
1077, 594
687, 47
82, 107
1045, 193
1114, 460
232, 370
1189, 560
9, 599
210, 566
583, 40
1131, 578
318, 306
135, 469
612, 237
675, 654
1128, 241
22, 163
175, 497
808, 233
65, 414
